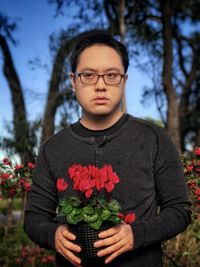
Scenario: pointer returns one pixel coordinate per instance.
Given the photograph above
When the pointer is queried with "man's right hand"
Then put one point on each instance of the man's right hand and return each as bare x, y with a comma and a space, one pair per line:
65, 246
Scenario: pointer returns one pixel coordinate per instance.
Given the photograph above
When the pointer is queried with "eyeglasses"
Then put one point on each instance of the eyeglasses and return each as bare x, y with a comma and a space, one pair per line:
92, 78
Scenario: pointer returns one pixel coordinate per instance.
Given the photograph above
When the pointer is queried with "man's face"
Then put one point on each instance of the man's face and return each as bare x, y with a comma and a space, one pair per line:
99, 98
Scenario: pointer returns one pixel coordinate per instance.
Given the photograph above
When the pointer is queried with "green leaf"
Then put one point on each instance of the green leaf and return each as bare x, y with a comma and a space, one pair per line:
71, 218
77, 210
113, 205
90, 218
88, 210
78, 218
75, 201
64, 210
93, 201
65, 207
105, 214
102, 202
96, 225
64, 202
115, 219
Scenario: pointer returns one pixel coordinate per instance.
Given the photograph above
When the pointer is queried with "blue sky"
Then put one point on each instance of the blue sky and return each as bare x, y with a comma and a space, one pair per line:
36, 21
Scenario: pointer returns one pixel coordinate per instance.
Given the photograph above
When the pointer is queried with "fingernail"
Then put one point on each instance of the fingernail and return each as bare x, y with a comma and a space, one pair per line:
99, 254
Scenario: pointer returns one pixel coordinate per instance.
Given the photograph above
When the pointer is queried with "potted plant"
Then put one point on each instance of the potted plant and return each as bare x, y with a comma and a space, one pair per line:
92, 208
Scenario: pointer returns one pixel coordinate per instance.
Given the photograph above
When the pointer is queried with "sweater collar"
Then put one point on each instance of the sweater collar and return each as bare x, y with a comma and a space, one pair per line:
82, 131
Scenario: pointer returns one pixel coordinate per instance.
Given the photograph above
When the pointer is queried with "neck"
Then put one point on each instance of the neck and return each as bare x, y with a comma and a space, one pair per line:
99, 122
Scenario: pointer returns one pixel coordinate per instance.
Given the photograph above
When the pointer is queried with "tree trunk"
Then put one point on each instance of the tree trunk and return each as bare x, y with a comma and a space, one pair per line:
172, 108
122, 33
21, 127
189, 76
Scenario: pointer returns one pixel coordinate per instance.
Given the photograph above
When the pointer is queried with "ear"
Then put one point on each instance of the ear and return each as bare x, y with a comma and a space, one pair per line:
72, 80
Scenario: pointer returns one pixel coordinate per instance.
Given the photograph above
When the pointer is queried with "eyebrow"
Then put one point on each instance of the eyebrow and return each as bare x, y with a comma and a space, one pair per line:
94, 70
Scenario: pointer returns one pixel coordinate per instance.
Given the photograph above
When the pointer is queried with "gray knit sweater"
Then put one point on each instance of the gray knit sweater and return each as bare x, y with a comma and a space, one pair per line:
151, 185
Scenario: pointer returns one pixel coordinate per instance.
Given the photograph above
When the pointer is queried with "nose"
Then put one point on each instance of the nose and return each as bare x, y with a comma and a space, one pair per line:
100, 85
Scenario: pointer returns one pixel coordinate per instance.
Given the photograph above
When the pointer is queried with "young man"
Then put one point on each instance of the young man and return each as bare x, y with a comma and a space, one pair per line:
141, 153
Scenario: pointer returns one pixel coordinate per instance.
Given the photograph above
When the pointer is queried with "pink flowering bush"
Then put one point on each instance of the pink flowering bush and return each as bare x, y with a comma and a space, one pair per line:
192, 175
92, 203
15, 179
34, 256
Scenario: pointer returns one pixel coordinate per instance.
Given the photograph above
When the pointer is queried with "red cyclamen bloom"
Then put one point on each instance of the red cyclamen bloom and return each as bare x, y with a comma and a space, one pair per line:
197, 151
88, 193
130, 218
121, 215
86, 178
61, 185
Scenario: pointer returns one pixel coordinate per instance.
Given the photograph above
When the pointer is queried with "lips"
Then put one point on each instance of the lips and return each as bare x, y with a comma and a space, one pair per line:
100, 100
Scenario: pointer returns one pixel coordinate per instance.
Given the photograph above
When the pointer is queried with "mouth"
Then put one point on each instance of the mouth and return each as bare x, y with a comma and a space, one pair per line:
100, 100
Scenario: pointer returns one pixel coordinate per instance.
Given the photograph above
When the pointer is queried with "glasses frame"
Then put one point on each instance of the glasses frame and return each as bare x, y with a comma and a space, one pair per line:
79, 74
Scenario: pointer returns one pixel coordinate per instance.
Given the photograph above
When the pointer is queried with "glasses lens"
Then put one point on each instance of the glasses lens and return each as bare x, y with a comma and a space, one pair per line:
89, 78
113, 78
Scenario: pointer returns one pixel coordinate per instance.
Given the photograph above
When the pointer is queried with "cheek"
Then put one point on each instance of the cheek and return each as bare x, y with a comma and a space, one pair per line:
118, 94
82, 98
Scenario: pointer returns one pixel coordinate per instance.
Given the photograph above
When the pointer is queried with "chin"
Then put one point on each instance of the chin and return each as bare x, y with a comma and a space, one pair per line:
100, 113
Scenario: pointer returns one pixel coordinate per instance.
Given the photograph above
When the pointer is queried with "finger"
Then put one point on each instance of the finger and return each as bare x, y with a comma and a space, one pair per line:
70, 256
66, 233
69, 245
109, 232
111, 249
106, 242
114, 255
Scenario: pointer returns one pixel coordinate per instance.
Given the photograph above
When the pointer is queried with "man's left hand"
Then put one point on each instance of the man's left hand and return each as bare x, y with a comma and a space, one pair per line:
117, 240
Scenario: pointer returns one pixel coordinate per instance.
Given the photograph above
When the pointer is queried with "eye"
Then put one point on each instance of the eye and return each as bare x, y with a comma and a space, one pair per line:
89, 75
112, 75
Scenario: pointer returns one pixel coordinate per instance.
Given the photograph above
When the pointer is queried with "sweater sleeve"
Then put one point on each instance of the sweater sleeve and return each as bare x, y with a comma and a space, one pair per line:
39, 221
174, 208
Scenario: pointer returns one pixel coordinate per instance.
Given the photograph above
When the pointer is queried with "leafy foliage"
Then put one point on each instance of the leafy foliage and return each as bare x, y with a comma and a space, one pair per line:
16, 249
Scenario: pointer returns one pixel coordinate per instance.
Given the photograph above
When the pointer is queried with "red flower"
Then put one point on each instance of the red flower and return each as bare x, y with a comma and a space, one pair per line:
109, 186
6, 161
197, 151
197, 192
27, 186
189, 167
31, 165
61, 185
19, 166
24, 252
121, 216
99, 184
18, 260
130, 218
5, 175
12, 192
192, 184
50, 258
44, 260
74, 170
88, 193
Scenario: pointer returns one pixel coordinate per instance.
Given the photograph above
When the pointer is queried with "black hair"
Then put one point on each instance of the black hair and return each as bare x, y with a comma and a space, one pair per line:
98, 38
